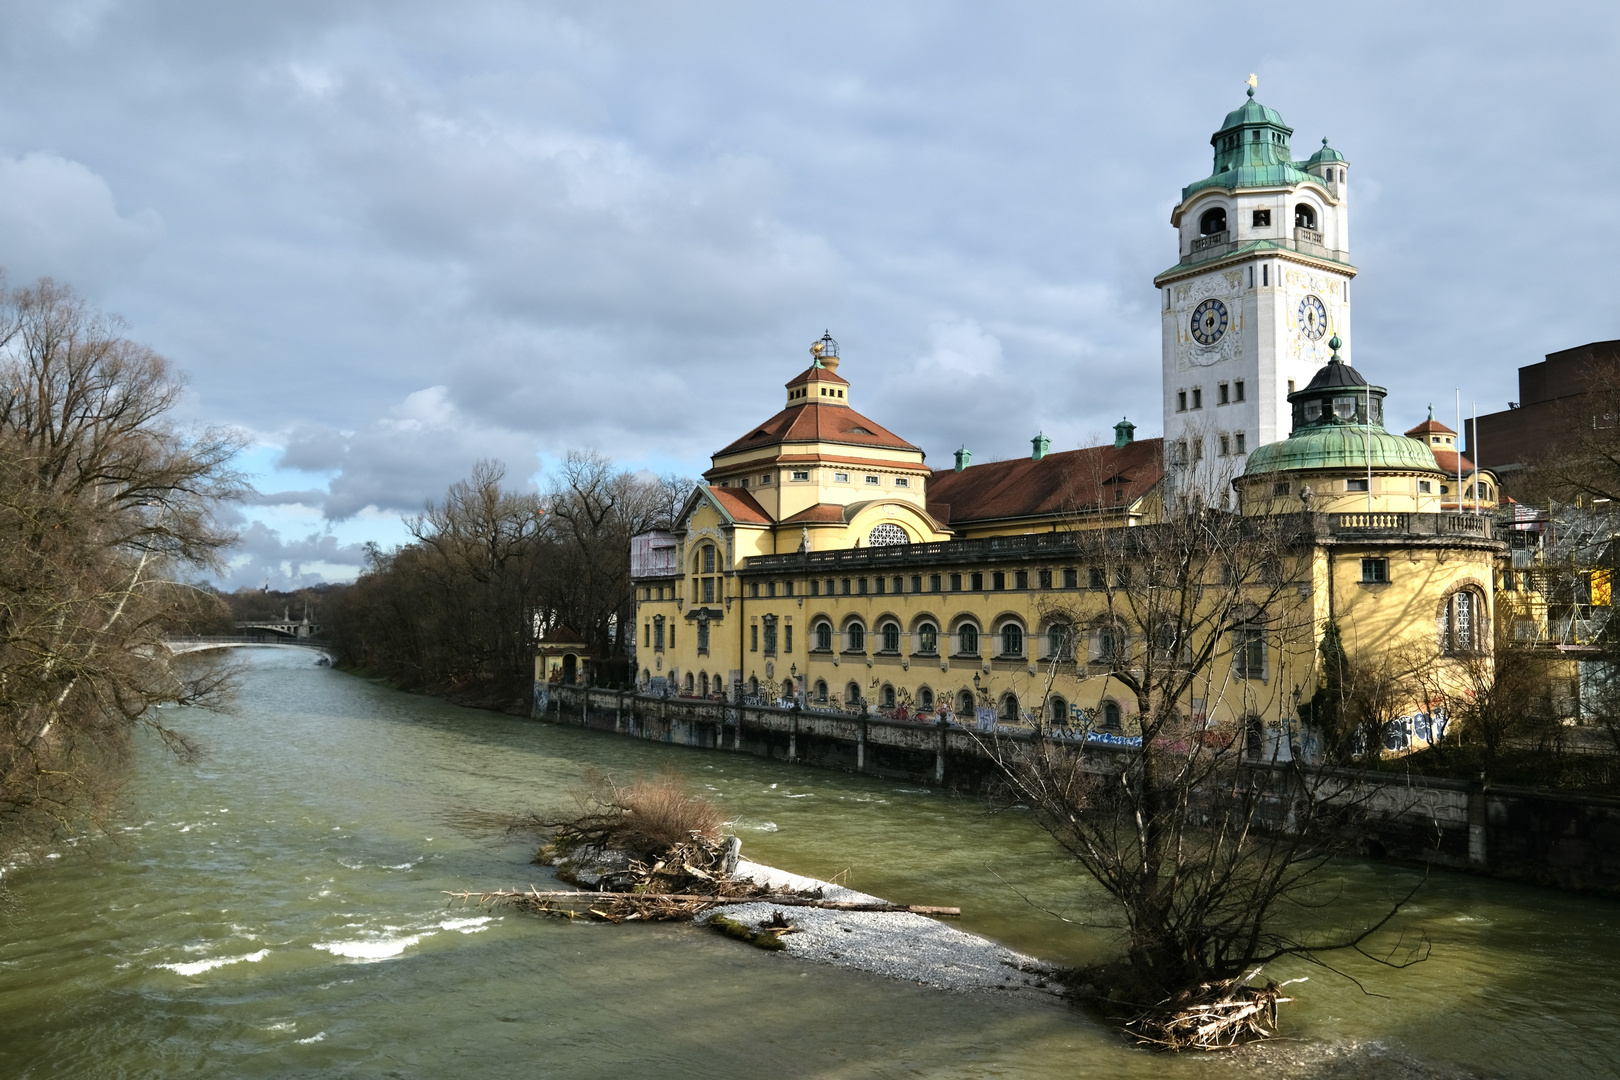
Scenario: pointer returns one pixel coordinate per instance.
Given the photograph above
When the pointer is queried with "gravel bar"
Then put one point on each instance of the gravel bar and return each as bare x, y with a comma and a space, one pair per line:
895, 944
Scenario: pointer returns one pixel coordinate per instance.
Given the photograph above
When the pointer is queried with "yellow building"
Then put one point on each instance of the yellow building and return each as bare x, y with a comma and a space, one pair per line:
824, 564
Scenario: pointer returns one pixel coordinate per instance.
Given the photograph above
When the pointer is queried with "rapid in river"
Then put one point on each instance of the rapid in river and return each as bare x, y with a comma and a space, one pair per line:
276, 910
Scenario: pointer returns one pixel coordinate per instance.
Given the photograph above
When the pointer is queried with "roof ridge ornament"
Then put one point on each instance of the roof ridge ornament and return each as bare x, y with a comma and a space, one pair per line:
1254, 83
1334, 343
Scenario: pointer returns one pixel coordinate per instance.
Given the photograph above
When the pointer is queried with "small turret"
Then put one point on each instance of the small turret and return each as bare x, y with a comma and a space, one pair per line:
1124, 434
964, 458
1041, 445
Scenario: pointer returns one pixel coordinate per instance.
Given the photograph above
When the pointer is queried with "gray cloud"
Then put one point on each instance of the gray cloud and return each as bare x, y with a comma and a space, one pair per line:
619, 226
264, 557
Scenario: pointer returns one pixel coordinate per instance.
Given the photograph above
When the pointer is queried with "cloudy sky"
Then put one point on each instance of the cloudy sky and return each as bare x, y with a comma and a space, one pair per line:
388, 238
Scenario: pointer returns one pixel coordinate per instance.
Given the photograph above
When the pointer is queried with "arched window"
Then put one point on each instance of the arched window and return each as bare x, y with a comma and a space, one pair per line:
708, 558
886, 534
1009, 709
824, 635
1110, 715
821, 691
1212, 221
852, 696
857, 637
1461, 622
967, 640
925, 699
787, 689
891, 637
1057, 711
689, 683
1304, 216
1059, 644
887, 697
753, 687
964, 703
703, 683
1108, 644
1012, 639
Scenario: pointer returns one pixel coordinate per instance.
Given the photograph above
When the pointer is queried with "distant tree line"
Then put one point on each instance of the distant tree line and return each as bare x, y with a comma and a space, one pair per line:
107, 511
491, 568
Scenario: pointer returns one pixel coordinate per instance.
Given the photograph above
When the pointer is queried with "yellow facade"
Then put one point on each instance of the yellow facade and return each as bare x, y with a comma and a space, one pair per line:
797, 589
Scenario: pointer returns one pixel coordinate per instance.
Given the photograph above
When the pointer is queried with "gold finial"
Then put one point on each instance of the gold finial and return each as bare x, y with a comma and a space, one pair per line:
1254, 81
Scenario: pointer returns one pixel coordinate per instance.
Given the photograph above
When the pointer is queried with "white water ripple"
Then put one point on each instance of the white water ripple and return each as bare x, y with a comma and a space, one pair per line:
197, 967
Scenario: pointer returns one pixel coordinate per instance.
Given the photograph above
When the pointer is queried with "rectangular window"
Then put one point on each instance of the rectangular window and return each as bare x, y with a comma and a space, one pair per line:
787, 588
1425, 487
901, 481
708, 590
703, 637
801, 474
1280, 489
899, 584
1265, 276
829, 586
753, 638
770, 588
646, 638
956, 583
658, 633
1262, 220
1223, 394
998, 580
1020, 579
1045, 579
770, 637
1198, 397
881, 585
1095, 578
1181, 401
916, 583
933, 583
872, 480
672, 635
1251, 277
1071, 578
787, 638
1237, 390
977, 582
1224, 446
815, 587
763, 480
1355, 485
840, 477
743, 482
860, 584
1240, 443
1290, 386
845, 585
1374, 571
1249, 653
753, 588
1197, 450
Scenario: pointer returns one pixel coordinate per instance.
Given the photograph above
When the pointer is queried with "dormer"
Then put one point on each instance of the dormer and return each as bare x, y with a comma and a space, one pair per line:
820, 383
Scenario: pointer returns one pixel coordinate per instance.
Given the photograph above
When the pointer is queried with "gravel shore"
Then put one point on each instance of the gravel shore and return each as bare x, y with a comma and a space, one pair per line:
898, 945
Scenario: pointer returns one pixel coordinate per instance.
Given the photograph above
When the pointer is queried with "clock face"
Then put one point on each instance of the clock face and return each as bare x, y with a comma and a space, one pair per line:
1312, 318
1208, 322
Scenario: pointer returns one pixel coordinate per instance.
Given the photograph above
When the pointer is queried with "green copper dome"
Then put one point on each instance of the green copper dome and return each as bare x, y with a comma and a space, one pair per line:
1339, 424
1324, 155
1251, 150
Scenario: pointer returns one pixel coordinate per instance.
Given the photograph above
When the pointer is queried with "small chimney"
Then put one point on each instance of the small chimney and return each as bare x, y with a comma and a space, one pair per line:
1124, 434
1041, 444
964, 458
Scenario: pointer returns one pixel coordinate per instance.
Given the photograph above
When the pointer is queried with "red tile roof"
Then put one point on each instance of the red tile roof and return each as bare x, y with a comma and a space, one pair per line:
1431, 426
1447, 460
1066, 481
821, 512
816, 422
820, 374
741, 505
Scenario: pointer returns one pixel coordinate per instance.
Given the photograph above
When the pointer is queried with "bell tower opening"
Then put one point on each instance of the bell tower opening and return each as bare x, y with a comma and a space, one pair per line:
1213, 221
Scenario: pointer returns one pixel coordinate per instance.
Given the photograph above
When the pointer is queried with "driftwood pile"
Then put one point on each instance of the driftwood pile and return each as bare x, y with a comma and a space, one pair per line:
1213, 1016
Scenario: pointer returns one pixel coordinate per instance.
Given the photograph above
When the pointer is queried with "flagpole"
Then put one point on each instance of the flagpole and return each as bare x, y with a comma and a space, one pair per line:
1459, 452
1473, 439
1367, 438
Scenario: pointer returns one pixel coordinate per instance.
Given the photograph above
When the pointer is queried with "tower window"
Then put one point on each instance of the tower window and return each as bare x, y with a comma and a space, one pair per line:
1213, 221
1265, 274
1225, 446
1304, 217
1223, 394
1181, 401
1237, 390
1374, 571
1425, 487
1198, 397
1355, 485
1262, 219
1239, 443
1290, 386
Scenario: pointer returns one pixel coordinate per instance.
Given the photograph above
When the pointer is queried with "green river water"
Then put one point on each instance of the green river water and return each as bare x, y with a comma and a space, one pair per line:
276, 911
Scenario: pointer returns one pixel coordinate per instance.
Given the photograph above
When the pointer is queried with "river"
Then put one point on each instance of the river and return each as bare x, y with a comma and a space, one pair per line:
276, 910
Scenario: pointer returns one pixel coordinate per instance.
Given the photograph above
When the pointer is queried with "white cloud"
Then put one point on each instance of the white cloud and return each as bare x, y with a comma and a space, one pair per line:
963, 348
59, 219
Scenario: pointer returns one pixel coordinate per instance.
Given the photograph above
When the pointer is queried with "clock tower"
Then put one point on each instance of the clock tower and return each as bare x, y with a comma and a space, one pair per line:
1262, 284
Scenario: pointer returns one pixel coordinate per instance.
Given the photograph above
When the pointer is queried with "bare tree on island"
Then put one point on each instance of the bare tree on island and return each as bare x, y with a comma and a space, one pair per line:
1208, 830
105, 506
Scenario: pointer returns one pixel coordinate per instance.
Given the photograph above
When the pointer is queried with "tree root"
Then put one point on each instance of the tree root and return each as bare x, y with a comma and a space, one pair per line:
1212, 1016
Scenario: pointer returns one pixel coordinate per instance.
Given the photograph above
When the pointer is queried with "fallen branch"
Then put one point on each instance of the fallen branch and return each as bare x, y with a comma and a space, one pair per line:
536, 899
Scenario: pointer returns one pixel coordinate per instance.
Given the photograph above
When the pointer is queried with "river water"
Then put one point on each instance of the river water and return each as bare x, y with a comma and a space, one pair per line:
277, 910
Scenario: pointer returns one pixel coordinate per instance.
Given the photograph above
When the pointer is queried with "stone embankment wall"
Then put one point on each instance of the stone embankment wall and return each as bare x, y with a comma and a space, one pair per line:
1523, 834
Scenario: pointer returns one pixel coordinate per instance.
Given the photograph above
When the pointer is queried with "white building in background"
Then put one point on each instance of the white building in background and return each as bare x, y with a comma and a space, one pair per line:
1261, 290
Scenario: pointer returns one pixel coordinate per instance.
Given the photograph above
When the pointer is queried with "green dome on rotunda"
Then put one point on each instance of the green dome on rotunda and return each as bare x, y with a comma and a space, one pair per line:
1324, 155
1333, 429
1252, 112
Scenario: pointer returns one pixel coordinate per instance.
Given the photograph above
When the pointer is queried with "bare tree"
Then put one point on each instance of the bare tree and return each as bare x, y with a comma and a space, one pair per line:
104, 505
